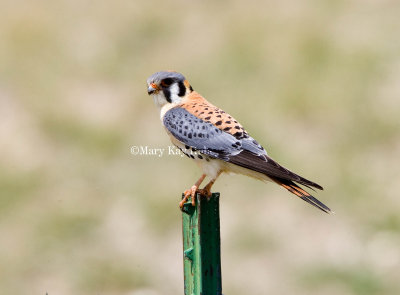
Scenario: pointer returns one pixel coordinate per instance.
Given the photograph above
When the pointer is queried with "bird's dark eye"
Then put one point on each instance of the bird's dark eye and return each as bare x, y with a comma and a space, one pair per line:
167, 82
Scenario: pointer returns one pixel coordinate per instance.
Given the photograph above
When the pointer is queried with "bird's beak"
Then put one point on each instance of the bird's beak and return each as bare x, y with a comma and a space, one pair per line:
152, 88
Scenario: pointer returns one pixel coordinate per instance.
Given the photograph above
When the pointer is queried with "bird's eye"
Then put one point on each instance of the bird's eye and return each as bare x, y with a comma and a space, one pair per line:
167, 82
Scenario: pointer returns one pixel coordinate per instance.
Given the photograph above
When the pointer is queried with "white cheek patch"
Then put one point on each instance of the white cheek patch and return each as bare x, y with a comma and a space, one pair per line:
174, 89
159, 99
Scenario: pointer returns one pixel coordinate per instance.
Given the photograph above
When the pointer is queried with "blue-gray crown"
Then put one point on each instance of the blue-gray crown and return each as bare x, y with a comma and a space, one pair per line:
159, 76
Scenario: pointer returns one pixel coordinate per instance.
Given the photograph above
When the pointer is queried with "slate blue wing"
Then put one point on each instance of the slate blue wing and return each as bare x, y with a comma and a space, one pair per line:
200, 135
209, 140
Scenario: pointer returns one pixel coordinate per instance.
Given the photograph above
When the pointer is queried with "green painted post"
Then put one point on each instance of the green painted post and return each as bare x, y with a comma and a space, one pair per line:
202, 247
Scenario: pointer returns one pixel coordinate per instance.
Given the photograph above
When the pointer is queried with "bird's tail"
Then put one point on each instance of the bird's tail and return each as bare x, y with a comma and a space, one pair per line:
298, 191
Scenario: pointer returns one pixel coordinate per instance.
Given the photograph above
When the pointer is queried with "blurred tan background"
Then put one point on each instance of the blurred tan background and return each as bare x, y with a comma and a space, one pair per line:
316, 82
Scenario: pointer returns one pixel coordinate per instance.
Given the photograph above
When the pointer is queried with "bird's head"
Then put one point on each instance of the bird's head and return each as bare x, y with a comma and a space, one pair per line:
168, 87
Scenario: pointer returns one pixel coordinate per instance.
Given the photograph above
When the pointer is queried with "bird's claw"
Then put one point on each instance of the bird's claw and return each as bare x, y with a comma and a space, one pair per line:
191, 193
205, 192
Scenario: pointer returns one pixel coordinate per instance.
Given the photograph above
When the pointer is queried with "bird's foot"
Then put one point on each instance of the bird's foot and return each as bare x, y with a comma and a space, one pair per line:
192, 192
189, 193
205, 192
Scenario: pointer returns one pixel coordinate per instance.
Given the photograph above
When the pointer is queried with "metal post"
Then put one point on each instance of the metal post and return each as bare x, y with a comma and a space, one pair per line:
201, 246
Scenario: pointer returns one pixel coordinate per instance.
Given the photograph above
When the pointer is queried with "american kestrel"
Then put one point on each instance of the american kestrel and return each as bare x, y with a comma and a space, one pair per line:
215, 140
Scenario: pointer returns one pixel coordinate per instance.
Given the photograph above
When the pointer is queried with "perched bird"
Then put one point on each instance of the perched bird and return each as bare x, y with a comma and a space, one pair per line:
215, 140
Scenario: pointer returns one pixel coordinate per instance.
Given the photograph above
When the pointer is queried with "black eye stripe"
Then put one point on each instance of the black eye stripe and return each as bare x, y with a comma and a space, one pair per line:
167, 94
167, 82
182, 89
